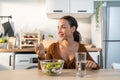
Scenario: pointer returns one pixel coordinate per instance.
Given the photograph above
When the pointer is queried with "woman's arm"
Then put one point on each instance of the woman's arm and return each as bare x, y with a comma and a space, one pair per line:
40, 51
90, 63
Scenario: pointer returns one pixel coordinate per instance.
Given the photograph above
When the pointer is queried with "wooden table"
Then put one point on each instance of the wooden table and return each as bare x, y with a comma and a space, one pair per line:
69, 74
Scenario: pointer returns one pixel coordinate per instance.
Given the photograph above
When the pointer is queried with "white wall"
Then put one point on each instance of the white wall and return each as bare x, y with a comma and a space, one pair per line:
106, 0
30, 15
96, 33
84, 28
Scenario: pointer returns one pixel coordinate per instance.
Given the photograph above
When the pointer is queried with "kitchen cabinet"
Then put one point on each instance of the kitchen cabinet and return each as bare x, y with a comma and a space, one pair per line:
29, 39
76, 8
97, 57
6, 60
81, 8
57, 8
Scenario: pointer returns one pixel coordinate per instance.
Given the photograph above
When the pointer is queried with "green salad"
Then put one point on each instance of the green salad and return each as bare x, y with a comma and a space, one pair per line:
52, 68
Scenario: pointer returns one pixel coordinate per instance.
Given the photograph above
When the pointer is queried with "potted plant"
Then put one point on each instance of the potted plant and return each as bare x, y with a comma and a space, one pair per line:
99, 5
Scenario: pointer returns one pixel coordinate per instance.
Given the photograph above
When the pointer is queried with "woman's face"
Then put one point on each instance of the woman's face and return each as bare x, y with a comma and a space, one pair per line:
64, 29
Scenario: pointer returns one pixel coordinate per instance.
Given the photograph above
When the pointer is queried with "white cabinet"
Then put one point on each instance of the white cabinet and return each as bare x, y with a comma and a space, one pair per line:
57, 8
76, 8
6, 60
81, 8
97, 57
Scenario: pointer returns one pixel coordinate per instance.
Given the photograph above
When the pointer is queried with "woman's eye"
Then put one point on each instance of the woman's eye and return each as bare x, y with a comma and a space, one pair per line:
63, 27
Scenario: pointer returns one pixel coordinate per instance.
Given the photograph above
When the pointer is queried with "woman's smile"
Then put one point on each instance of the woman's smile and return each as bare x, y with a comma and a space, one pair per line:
61, 35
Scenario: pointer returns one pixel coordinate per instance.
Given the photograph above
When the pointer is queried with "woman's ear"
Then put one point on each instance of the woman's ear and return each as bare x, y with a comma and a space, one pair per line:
73, 29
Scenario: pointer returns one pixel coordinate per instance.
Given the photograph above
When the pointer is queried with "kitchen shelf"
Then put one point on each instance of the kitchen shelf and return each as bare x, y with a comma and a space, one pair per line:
29, 39
28, 45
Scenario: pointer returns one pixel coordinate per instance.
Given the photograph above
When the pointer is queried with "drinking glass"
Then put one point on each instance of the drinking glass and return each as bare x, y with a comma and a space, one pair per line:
80, 64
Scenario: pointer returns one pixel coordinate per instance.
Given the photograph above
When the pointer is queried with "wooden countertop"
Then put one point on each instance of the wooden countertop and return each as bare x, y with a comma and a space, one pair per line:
94, 49
67, 74
32, 50
18, 50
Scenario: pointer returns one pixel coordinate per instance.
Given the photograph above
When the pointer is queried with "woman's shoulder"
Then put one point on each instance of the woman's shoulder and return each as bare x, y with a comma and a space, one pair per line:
82, 47
53, 47
54, 44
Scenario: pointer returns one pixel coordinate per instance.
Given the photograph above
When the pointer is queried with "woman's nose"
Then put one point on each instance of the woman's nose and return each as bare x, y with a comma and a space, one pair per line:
59, 29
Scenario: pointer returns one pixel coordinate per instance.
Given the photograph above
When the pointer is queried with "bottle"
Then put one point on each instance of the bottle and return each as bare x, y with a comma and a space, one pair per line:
17, 41
43, 37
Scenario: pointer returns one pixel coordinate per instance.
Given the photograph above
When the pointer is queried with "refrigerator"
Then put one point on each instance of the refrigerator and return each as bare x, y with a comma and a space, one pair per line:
111, 33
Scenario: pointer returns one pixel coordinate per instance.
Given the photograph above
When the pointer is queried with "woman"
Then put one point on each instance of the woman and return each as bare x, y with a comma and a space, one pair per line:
68, 45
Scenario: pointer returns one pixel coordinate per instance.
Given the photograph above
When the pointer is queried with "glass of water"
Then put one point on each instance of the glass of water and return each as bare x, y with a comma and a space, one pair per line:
80, 64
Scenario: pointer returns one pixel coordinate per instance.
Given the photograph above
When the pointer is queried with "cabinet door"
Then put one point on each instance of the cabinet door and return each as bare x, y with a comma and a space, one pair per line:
95, 56
6, 61
81, 8
57, 8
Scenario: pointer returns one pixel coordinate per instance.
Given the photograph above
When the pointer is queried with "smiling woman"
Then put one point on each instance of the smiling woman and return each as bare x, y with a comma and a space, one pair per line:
67, 46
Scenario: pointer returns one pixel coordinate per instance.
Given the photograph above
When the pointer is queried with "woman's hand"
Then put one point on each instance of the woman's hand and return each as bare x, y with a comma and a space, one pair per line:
40, 51
90, 64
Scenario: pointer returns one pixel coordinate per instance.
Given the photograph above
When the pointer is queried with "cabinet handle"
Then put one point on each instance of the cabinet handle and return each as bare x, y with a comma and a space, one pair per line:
10, 60
82, 11
57, 10
98, 60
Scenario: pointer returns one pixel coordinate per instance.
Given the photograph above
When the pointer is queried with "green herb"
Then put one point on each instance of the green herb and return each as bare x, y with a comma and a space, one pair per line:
50, 35
97, 12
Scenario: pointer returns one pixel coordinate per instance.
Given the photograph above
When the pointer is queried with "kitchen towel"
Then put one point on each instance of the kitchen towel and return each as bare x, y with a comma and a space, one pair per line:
8, 29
